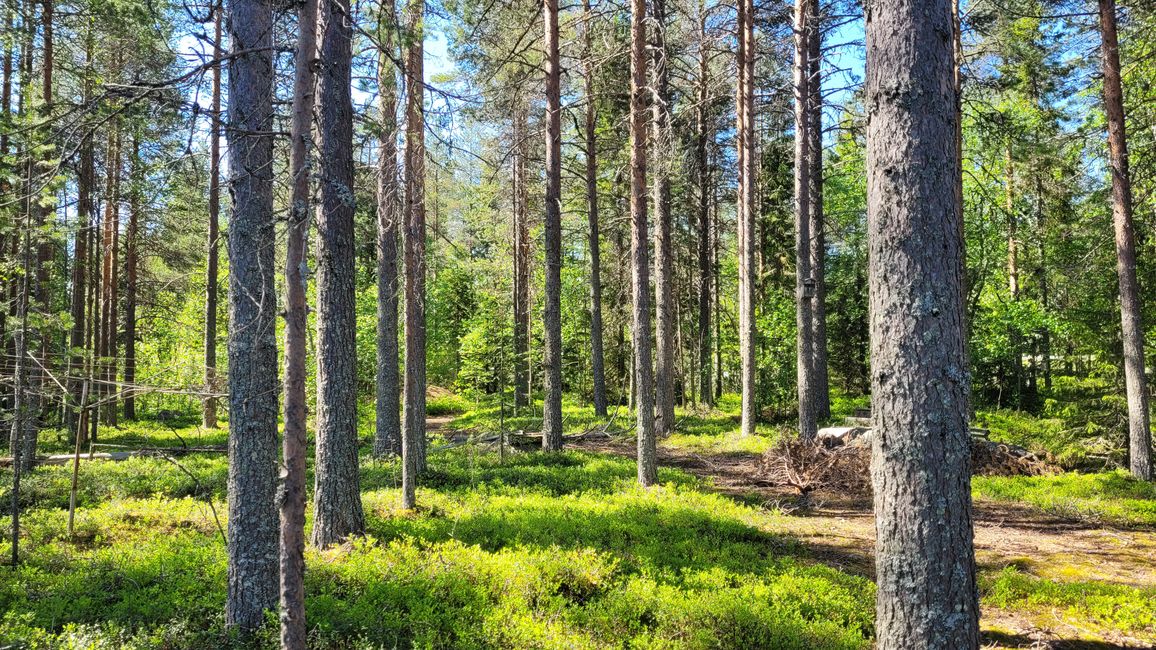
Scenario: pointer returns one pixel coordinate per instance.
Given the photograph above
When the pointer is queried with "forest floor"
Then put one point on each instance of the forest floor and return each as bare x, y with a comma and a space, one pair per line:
1015, 539
524, 549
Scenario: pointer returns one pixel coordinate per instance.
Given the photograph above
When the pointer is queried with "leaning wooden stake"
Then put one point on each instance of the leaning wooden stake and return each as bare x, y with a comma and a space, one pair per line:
82, 423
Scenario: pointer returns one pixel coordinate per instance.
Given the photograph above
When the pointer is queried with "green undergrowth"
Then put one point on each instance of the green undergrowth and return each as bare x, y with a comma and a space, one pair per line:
1113, 498
1094, 606
541, 551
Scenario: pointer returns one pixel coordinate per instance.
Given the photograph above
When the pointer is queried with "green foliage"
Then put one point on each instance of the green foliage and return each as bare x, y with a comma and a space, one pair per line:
1100, 606
1112, 497
542, 551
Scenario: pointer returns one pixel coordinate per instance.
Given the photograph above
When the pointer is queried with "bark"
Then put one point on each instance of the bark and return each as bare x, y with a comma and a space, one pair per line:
7, 286
1013, 275
337, 511
925, 561
108, 284
640, 265
294, 449
821, 390
413, 440
804, 280
253, 385
552, 317
38, 381
131, 236
80, 262
745, 135
704, 241
1132, 330
521, 262
387, 438
665, 335
597, 357
209, 408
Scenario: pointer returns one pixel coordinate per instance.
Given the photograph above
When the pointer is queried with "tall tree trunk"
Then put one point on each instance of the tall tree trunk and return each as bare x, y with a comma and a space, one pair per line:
209, 406
521, 261
294, 449
108, 283
552, 317
665, 335
821, 389
388, 433
925, 562
45, 253
1013, 274
597, 358
80, 266
1132, 330
131, 235
716, 272
640, 265
804, 280
413, 439
10, 242
337, 511
704, 235
745, 135
253, 385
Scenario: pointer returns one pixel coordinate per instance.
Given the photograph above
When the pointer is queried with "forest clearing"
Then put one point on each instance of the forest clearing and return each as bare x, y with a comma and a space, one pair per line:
639, 324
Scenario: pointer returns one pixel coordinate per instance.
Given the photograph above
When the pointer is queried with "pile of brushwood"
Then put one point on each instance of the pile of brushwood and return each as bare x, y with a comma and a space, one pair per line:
843, 464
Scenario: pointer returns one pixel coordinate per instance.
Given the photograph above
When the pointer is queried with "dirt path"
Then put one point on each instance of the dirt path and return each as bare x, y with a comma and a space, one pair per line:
841, 532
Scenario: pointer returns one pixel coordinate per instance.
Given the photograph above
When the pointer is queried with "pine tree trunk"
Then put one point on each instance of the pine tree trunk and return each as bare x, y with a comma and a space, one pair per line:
108, 284
665, 336
552, 318
337, 511
640, 265
804, 280
294, 445
925, 562
253, 385
9, 243
597, 357
413, 439
745, 135
209, 406
131, 236
706, 395
821, 390
85, 179
387, 439
521, 261
1139, 433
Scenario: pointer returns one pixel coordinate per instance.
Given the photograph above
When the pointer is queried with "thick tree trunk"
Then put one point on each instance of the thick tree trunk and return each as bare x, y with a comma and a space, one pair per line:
706, 395
209, 405
1139, 433
804, 280
337, 511
821, 389
294, 449
131, 236
521, 261
413, 439
552, 316
665, 335
640, 265
745, 135
253, 385
925, 562
387, 439
597, 358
